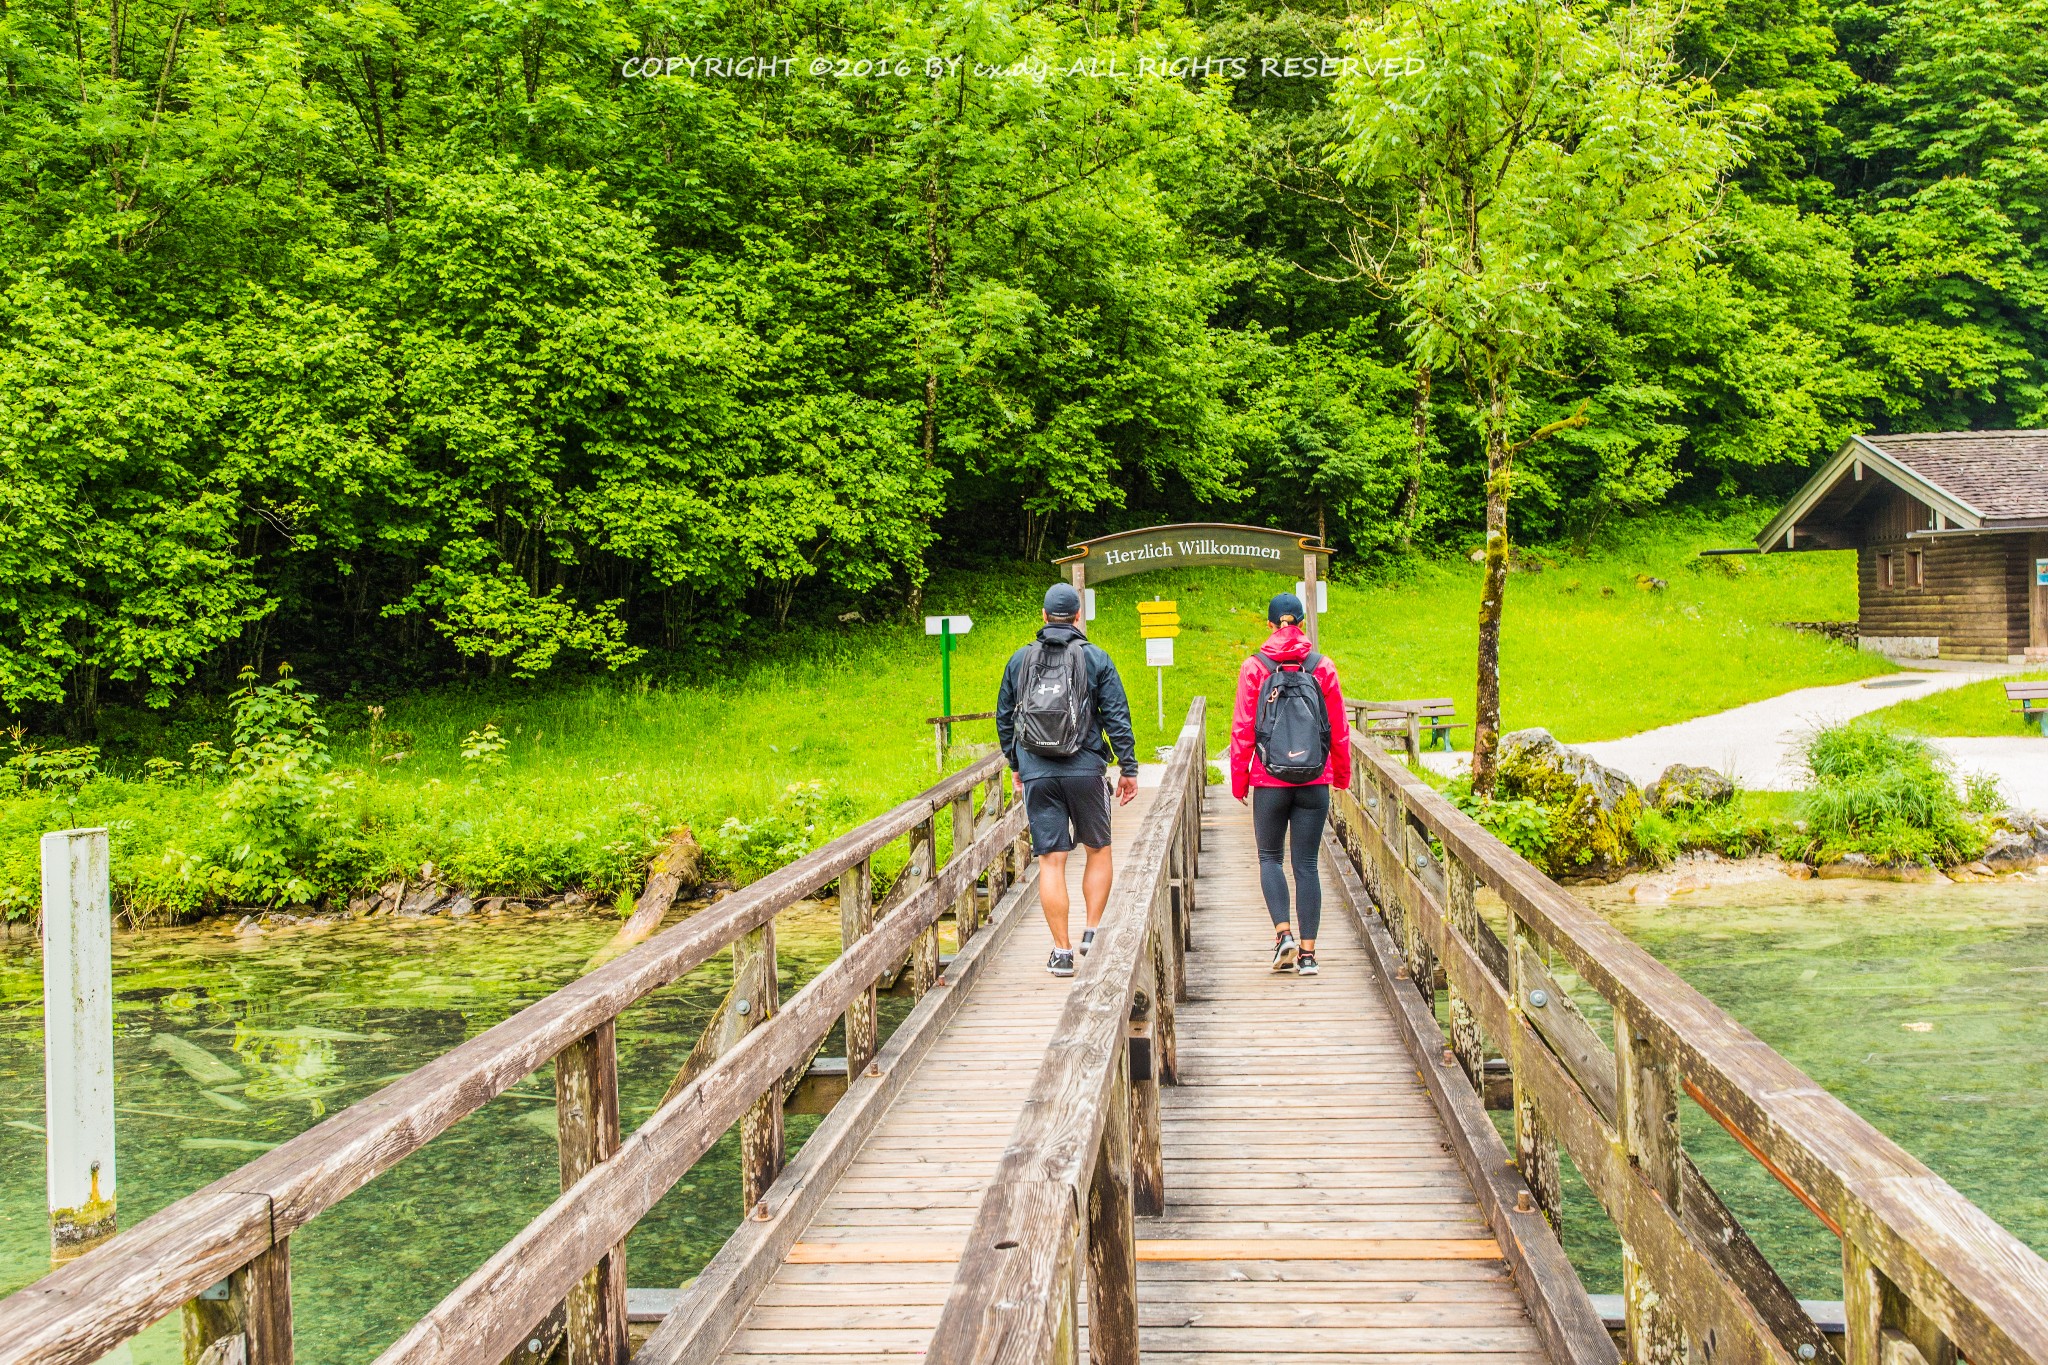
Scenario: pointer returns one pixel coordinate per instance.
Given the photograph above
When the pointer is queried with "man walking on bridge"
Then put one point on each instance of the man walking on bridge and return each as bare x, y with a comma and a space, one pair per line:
1059, 695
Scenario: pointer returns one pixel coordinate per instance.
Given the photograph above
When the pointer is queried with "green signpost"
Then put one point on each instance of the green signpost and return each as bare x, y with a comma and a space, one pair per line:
947, 628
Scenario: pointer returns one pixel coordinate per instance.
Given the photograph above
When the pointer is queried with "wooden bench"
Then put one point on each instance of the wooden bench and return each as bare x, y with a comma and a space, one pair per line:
2033, 701
1407, 719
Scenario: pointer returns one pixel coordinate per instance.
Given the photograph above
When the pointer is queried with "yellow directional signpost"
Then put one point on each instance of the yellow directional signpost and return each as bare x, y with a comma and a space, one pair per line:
1158, 623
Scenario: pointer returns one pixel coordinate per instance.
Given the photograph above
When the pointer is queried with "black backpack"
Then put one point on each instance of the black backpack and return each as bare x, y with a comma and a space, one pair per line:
1292, 736
1056, 715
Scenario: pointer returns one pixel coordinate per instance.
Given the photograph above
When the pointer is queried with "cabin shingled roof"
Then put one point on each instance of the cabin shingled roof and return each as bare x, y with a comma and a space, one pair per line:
2003, 474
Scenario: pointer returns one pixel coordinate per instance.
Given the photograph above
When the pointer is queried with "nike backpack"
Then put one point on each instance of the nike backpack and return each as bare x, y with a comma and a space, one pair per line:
1058, 709
1292, 737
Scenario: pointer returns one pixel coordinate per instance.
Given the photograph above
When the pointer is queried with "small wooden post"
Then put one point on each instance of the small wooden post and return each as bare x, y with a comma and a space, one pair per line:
1167, 986
924, 953
1113, 1238
1142, 1064
1884, 1326
78, 1039
587, 1123
1646, 1100
761, 1152
246, 1318
856, 918
1535, 1149
1415, 855
1461, 914
965, 911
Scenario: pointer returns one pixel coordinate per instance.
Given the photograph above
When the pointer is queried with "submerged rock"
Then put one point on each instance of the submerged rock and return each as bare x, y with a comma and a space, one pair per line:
1593, 807
1684, 787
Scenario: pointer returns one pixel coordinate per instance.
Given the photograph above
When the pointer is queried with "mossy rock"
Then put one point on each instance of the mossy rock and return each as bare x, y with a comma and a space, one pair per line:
1683, 787
1593, 808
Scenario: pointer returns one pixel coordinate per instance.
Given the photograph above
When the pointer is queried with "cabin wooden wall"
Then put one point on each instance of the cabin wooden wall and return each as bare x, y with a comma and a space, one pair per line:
1973, 597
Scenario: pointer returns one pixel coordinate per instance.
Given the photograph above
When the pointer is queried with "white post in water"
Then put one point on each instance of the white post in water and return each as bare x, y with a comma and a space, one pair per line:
78, 1032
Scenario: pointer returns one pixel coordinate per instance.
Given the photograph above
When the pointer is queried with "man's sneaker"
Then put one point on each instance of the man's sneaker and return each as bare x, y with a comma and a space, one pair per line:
1061, 963
1305, 965
1087, 941
1285, 952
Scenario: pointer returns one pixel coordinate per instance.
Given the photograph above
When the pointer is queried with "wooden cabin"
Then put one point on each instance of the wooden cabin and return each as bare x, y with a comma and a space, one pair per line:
1950, 530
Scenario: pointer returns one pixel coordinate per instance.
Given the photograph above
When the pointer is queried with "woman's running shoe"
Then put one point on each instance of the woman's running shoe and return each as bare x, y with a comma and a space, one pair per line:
1285, 951
1087, 941
1305, 964
1061, 963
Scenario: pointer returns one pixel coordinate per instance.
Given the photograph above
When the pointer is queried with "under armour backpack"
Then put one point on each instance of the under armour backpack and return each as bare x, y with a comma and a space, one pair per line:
1057, 713
1292, 736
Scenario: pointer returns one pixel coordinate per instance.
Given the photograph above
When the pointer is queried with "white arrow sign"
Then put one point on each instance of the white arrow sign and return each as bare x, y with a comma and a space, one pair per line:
936, 625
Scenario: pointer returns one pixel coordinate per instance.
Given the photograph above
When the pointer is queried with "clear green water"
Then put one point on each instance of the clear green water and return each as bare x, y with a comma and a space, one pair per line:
227, 1045
1924, 1009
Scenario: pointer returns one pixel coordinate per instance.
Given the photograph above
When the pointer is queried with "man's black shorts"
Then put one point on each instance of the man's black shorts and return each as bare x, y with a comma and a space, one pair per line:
1067, 810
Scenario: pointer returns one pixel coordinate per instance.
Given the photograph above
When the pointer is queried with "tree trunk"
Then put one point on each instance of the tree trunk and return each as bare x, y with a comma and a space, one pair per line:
1411, 491
1492, 593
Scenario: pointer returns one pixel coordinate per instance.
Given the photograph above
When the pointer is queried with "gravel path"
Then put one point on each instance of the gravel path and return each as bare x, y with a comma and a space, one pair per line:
1755, 744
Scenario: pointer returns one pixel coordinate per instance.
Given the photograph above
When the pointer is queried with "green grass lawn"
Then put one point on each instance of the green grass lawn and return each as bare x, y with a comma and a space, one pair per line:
1974, 709
596, 771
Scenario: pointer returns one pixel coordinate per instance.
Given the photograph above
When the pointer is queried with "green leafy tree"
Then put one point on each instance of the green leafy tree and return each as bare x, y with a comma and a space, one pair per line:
1564, 154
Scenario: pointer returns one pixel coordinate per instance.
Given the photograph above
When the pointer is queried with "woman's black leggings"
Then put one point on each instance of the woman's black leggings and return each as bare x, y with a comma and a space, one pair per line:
1296, 815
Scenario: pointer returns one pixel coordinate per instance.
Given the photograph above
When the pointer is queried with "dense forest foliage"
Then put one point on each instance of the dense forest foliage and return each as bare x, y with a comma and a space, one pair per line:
409, 337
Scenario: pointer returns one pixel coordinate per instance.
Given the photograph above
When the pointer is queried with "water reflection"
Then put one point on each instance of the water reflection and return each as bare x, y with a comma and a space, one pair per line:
226, 1045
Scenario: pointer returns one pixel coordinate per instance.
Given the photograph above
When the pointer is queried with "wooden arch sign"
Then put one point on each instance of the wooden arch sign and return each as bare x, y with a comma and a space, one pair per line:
1199, 543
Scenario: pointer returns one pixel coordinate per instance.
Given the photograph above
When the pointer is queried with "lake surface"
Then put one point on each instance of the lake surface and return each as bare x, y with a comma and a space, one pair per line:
227, 1044
1926, 1009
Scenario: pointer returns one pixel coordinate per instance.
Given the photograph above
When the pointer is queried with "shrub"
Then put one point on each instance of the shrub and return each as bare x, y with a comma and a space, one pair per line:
1523, 825
1881, 793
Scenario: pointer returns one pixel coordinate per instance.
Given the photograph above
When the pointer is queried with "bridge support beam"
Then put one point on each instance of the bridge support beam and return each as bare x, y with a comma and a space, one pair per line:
1113, 1235
1646, 1098
1884, 1326
967, 904
1535, 1146
856, 918
587, 1134
761, 1148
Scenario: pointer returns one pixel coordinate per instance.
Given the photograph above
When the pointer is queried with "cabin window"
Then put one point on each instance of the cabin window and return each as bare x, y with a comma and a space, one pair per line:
1884, 572
1915, 578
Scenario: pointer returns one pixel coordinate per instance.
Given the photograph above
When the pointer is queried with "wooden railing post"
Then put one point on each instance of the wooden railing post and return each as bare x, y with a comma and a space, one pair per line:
1535, 1148
924, 956
966, 907
1413, 849
1461, 916
1113, 1236
250, 1321
587, 1135
1646, 1103
856, 919
1883, 1325
761, 1151
1145, 1072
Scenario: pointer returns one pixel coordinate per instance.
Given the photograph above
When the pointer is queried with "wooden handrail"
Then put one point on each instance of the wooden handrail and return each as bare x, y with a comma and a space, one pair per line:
1927, 1274
1084, 1153
82, 1310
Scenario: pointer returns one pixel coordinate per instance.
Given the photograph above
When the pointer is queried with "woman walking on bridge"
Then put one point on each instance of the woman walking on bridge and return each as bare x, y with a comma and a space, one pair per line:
1290, 741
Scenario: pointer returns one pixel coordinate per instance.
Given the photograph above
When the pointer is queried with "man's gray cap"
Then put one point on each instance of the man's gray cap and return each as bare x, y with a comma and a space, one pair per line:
1062, 600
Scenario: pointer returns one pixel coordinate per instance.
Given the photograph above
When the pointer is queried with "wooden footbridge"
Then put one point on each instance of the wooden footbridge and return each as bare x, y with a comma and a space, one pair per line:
1176, 1153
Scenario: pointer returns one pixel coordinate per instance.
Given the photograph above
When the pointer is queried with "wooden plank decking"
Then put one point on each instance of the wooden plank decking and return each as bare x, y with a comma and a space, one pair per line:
1314, 1210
